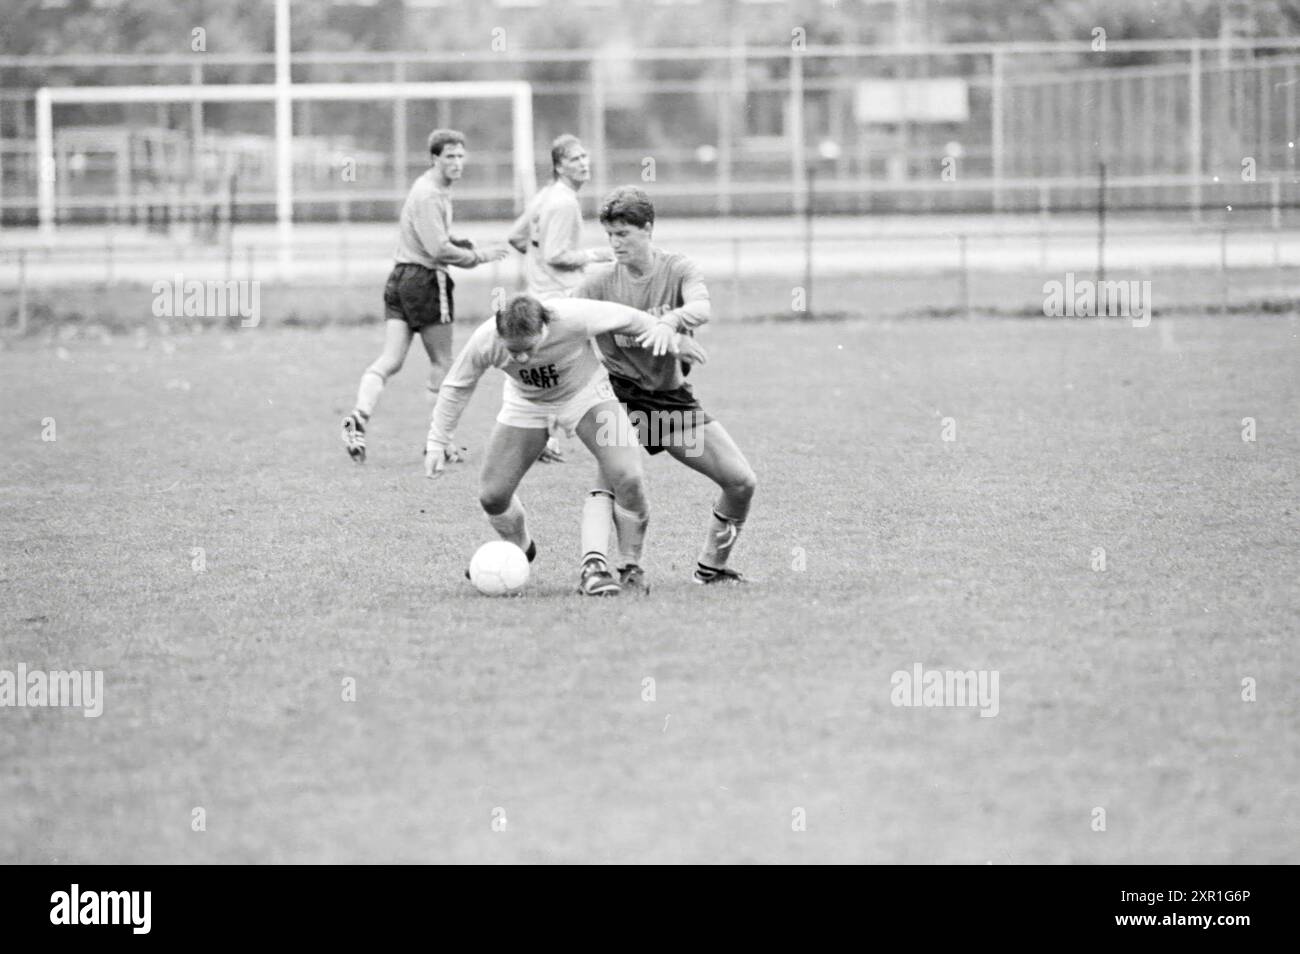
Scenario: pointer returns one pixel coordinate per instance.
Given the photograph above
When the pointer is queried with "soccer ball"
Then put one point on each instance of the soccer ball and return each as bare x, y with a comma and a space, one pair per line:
499, 568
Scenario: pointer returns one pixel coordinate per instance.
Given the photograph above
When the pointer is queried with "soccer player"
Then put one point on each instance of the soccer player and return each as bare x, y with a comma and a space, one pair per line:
418, 295
548, 235
552, 371
652, 387
550, 230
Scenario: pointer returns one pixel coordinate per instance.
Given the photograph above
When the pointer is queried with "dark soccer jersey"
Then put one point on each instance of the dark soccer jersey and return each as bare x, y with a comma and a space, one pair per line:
673, 284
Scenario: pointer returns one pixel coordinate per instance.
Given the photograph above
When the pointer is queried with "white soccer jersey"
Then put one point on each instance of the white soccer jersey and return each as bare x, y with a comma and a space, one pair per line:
552, 228
561, 366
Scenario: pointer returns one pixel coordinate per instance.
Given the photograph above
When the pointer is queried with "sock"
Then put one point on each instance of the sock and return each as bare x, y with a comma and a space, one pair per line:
372, 383
631, 534
512, 524
721, 537
597, 524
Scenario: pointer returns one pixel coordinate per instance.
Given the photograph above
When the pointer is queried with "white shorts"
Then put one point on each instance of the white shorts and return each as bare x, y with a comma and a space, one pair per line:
518, 411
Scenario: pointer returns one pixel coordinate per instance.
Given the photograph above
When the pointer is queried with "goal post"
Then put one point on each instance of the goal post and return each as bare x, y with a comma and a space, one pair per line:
517, 92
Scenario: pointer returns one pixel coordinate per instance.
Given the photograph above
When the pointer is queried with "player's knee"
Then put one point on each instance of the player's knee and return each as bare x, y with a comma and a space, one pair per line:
385, 367
743, 485
628, 488
494, 500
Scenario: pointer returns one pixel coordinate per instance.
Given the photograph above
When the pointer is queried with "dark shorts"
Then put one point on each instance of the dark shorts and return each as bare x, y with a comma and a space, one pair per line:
419, 296
661, 418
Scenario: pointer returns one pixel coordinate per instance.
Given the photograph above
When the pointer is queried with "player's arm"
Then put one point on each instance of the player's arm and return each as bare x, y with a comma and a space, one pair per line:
604, 317
695, 309
592, 287
457, 388
433, 235
689, 350
557, 226
517, 238
608, 317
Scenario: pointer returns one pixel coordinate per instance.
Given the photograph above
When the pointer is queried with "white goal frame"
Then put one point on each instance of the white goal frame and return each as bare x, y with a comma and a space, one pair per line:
518, 92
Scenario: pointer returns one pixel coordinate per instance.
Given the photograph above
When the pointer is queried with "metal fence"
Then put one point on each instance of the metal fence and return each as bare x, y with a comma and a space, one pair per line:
1188, 125
976, 266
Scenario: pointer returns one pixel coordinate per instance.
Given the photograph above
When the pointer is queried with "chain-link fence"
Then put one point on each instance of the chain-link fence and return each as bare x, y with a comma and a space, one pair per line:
1181, 125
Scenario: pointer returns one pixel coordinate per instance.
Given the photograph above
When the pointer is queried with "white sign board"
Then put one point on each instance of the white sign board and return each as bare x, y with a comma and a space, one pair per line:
913, 101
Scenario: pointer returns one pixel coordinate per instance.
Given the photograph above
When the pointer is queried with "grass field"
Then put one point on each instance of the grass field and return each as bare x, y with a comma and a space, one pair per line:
876, 545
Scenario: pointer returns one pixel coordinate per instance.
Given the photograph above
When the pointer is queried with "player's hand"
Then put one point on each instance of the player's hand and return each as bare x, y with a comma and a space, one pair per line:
463, 243
691, 351
659, 339
435, 460
551, 453
437, 457
493, 253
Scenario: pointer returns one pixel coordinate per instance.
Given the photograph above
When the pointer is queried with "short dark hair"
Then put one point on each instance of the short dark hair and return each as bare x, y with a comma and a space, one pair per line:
521, 316
439, 139
558, 149
627, 204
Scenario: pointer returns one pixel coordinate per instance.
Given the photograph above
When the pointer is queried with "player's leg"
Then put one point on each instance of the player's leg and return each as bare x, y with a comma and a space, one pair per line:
710, 450
605, 430
397, 341
598, 506
435, 304
437, 345
597, 518
510, 452
597, 528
